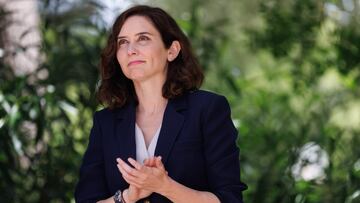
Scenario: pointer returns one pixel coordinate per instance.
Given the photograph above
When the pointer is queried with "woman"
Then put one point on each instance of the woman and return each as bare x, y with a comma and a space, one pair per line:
160, 139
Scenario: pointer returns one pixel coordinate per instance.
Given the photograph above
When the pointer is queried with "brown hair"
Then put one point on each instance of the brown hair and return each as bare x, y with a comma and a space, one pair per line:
183, 74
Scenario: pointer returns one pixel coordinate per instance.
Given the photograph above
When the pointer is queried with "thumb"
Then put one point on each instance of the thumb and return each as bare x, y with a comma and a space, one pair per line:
159, 163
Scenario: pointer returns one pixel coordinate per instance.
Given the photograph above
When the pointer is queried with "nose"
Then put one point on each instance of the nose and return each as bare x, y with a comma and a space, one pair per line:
131, 49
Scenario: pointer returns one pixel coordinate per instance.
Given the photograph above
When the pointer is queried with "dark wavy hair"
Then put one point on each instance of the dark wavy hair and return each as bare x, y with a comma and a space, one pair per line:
183, 73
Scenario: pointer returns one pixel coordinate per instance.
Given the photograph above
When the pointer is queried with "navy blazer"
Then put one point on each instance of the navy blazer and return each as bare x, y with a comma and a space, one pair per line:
197, 143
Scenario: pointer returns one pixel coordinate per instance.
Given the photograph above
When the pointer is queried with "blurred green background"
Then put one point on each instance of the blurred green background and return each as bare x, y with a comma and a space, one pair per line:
289, 68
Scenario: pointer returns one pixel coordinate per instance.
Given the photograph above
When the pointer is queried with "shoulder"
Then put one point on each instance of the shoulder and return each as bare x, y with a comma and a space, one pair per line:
206, 98
208, 103
103, 113
204, 95
107, 114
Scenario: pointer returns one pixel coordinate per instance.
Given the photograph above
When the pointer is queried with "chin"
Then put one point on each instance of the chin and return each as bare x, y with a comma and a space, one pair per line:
137, 78
135, 75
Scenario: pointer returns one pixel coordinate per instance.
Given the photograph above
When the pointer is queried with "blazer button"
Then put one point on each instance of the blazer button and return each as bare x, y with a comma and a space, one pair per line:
146, 201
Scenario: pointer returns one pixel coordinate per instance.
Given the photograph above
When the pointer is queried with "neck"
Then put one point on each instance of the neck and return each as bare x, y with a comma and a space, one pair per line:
150, 98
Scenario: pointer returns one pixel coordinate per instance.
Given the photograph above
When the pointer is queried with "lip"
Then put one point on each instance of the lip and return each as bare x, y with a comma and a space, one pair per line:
135, 62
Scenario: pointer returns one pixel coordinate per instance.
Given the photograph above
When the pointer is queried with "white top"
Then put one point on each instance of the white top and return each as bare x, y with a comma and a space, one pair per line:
142, 152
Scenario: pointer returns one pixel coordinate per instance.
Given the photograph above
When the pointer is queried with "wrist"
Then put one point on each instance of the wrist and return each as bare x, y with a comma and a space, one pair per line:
167, 186
126, 198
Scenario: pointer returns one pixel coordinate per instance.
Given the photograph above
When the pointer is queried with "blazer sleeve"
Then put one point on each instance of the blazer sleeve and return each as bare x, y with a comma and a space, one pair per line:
92, 185
221, 152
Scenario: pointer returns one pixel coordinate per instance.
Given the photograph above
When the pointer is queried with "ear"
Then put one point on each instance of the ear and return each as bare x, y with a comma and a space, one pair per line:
173, 51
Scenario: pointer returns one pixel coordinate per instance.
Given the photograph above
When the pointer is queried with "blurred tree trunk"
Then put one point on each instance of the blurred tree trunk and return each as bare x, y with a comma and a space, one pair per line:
21, 38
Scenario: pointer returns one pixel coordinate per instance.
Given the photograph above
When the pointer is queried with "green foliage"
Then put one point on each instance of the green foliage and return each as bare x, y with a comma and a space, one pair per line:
290, 70
289, 23
44, 123
284, 75
41, 143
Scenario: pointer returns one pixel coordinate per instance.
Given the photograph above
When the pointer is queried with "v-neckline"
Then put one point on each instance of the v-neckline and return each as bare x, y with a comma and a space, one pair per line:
156, 134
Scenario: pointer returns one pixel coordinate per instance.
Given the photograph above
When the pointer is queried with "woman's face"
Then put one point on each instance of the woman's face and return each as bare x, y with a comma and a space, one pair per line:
141, 52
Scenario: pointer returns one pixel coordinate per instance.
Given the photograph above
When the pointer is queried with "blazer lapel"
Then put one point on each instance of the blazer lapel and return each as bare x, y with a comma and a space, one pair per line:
125, 132
172, 123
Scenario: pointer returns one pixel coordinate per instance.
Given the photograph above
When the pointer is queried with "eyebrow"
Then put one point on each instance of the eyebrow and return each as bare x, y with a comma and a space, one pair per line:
140, 33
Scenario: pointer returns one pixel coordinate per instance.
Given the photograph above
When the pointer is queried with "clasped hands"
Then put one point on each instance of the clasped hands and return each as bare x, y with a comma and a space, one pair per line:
143, 179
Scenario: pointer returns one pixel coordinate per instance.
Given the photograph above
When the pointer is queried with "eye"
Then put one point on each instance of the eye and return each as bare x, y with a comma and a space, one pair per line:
143, 38
122, 42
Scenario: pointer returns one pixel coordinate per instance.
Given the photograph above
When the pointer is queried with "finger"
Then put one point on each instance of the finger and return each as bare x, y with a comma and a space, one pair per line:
122, 171
130, 181
159, 163
127, 168
127, 175
124, 165
151, 162
119, 160
121, 168
141, 169
134, 163
146, 162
